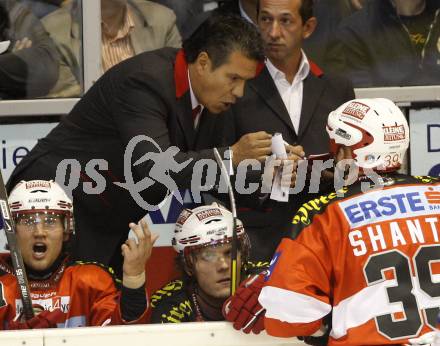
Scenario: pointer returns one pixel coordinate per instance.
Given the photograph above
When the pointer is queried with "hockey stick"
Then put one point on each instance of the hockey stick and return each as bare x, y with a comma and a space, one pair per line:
234, 244
17, 261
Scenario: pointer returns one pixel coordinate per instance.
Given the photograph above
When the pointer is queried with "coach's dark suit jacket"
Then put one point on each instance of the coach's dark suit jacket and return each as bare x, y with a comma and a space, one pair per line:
262, 109
137, 97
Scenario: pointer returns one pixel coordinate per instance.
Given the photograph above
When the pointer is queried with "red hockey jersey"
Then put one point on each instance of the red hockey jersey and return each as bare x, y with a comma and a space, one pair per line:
86, 293
370, 259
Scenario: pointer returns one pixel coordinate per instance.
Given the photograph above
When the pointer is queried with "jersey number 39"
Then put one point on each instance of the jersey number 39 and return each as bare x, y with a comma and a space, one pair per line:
403, 292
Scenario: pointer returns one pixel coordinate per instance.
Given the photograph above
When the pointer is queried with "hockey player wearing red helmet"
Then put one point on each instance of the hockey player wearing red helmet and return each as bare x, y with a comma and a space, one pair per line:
202, 239
367, 256
65, 293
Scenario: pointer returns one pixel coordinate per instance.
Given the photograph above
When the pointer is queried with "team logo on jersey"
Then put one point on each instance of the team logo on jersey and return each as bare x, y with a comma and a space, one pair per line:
57, 302
393, 133
356, 109
272, 265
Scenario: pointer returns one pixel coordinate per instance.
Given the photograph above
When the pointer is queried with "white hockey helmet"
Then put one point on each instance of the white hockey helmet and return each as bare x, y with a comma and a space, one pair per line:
205, 226
375, 129
41, 196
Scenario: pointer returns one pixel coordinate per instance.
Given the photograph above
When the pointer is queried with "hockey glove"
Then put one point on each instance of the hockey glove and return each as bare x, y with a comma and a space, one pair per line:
243, 308
46, 319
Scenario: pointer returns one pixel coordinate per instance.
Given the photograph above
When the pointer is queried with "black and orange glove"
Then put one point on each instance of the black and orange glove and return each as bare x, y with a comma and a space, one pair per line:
243, 308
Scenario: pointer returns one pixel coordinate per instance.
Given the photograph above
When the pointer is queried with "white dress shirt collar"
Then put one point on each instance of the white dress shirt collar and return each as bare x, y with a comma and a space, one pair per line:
291, 93
303, 71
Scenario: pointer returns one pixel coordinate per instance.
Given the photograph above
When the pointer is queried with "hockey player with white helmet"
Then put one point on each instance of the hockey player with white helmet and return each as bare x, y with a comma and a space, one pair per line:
374, 130
202, 239
364, 257
66, 293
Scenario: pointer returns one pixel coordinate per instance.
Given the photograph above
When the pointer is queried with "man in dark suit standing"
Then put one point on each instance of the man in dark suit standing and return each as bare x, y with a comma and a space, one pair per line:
172, 96
291, 96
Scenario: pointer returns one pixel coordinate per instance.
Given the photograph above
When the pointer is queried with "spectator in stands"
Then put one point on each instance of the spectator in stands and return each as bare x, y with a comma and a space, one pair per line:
392, 43
205, 264
291, 96
194, 12
328, 13
366, 255
129, 27
29, 62
41, 8
187, 12
72, 294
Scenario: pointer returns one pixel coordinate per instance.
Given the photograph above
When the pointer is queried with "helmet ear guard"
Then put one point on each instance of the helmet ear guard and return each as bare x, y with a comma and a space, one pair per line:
375, 129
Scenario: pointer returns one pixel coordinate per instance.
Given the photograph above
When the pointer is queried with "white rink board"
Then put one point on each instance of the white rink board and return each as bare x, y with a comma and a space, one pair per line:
184, 334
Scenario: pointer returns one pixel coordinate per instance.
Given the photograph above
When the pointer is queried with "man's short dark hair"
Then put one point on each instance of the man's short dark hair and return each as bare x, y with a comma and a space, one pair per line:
220, 35
305, 11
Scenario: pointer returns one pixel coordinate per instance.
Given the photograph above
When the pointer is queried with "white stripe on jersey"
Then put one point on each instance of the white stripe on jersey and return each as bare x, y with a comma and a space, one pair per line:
361, 307
292, 307
372, 301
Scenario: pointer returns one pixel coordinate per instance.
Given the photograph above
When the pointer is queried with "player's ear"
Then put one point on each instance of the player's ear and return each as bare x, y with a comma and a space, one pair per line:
203, 63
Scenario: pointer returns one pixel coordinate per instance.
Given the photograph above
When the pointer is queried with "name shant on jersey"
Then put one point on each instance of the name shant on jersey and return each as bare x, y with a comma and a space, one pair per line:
393, 234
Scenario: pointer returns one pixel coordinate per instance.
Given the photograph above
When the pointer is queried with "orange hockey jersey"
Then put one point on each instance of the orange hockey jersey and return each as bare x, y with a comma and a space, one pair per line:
370, 259
86, 293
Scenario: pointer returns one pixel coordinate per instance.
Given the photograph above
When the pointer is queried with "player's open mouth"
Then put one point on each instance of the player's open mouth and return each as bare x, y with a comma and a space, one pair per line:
39, 250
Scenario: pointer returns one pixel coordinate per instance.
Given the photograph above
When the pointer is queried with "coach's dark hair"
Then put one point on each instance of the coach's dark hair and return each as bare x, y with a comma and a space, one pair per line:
220, 35
305, 11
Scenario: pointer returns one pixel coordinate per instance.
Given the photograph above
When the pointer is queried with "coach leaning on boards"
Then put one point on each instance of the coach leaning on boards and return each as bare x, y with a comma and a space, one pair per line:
149, 94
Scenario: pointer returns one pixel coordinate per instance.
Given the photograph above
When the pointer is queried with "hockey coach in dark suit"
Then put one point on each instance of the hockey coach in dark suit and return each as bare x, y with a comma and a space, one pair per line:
169, 95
